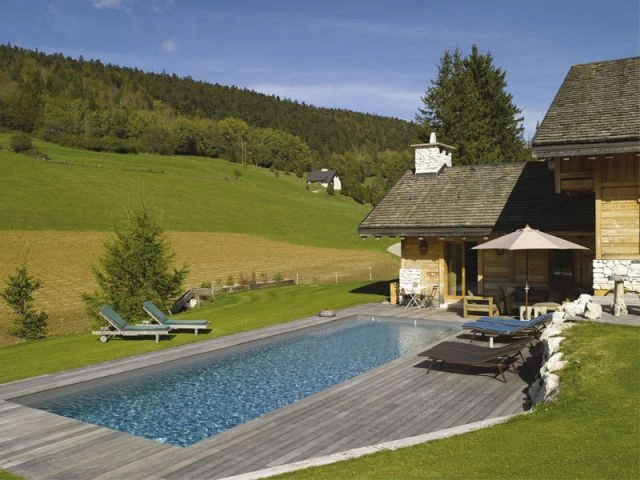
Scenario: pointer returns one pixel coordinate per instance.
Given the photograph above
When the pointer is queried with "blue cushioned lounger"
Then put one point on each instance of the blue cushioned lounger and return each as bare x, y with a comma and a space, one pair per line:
121, 328
156, 314
495, 326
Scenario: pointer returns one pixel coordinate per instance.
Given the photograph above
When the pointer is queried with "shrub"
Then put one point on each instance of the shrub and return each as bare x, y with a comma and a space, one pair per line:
136, 266
18, 294
20, 142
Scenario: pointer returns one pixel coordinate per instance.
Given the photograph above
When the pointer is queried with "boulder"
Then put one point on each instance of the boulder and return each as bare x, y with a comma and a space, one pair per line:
551, 387
583, 299
593, 311
546, 387
550, 346
579, 308
554, 364
569, 308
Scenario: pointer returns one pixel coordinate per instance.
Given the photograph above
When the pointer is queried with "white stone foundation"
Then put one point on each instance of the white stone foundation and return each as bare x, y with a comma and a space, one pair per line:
603, 269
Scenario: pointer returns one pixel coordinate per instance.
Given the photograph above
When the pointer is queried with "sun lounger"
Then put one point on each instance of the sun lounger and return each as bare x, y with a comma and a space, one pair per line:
119, 327
458, 353
156, 314
540, 320
512, 328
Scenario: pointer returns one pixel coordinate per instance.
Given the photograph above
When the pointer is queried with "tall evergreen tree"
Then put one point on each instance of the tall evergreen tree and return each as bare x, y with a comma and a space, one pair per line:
468, 107
136, 267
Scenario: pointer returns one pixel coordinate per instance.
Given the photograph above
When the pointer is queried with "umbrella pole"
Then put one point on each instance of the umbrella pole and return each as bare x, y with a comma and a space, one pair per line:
526, 288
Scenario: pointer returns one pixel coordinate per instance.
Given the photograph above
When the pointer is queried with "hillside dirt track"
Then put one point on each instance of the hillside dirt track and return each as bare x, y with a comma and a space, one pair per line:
63, 261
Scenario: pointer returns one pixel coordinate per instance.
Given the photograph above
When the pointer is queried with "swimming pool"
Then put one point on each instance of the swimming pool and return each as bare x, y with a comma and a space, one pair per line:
191, 399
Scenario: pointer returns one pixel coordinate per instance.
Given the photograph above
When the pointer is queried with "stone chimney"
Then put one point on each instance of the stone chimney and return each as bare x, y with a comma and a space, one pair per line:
432, 157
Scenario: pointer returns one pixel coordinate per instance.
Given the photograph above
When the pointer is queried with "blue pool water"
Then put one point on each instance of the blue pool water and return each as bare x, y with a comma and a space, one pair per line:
188, 401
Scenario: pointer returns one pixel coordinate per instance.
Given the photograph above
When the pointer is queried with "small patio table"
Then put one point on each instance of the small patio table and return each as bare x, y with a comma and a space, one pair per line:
415, 299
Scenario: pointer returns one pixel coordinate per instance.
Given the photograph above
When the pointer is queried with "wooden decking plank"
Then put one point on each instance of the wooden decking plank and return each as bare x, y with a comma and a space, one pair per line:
40, 459
378, 405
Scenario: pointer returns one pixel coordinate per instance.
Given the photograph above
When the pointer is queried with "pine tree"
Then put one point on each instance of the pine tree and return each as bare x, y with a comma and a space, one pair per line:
468, 107
135, 267
18, 294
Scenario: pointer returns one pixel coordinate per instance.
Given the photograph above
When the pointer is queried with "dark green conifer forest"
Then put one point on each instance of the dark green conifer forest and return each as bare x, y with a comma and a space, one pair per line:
87, 104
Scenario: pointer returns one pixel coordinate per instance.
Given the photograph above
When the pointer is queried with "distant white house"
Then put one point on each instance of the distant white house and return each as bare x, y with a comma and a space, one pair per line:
325, 177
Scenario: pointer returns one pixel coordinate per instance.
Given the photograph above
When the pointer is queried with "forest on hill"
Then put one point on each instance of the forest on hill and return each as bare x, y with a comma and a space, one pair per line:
87, 104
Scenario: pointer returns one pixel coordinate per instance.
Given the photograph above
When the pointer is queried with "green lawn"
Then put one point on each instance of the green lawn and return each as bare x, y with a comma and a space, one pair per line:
9, 476
232, 314
592, 431
80, 190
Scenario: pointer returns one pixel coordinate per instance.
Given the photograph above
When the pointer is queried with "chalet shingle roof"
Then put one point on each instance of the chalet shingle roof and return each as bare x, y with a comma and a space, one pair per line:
479, 200
321, 176
596, 103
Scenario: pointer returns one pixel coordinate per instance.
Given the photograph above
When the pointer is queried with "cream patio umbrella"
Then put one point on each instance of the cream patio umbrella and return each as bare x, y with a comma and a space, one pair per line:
528, 238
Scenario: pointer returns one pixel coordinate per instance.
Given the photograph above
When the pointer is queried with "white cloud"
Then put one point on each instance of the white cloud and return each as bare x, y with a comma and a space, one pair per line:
170, 46
160, 6
110, 4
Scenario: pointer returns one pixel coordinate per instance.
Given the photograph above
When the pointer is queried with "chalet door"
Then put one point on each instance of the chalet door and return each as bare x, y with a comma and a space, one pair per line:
461, 268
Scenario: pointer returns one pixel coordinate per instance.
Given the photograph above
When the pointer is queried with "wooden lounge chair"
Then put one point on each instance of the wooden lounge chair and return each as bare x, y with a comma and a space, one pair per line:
156, 314
119, 327
459, 353
495, 326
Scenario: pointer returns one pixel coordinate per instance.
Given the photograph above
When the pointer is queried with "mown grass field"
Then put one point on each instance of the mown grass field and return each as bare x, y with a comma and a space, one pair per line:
63, 261
79, 190
56, 214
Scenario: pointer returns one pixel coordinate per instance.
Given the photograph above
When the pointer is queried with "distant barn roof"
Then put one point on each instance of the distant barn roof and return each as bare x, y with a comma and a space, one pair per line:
596, 103
479, 200
321, 176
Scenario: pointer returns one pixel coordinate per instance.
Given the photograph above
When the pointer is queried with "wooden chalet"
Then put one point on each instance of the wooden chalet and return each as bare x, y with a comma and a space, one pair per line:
583, 188
325, 177
591, 136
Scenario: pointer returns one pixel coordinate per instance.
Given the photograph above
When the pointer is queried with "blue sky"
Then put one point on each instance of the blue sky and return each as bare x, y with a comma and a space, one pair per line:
375, 56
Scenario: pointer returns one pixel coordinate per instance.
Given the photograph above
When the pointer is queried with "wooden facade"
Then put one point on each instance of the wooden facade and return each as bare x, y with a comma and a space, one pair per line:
489, 272
615, 181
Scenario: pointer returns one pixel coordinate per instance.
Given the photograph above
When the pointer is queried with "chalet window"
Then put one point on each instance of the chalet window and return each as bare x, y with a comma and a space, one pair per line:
562, 267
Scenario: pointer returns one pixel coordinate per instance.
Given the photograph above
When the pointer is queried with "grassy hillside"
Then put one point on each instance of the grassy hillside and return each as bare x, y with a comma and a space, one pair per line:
56, 214
79, 190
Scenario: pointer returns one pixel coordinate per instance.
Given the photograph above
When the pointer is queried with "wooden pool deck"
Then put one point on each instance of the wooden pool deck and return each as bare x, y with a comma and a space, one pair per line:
394, 401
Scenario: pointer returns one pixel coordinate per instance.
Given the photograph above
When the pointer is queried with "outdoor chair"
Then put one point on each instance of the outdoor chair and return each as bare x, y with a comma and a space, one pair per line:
119, 327
459, 353
157, 315
429, 298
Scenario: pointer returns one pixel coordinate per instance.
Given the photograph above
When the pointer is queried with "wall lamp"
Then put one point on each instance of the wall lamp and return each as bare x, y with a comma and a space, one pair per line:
423, 246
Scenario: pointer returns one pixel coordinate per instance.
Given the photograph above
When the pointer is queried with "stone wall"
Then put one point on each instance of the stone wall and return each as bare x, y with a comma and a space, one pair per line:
629, 269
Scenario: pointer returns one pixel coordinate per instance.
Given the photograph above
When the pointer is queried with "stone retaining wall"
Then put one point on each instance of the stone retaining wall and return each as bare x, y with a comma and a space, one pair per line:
603, 269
